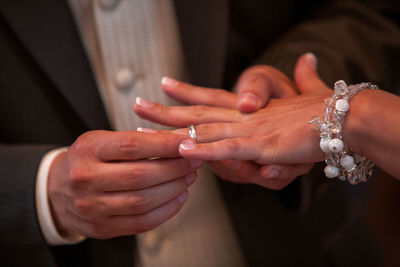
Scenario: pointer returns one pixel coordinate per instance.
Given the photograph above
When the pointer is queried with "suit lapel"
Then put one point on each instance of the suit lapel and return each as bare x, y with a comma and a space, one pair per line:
47, 30
203, 26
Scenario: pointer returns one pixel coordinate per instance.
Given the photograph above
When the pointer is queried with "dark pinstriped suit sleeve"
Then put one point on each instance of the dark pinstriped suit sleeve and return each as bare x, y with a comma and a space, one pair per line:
353, 41
21, 240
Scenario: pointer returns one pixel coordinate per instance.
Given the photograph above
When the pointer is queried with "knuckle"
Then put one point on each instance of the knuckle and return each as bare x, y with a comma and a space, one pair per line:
200, 110
136, 178
83, 142
79, 178
233, 146
129, 144
163, 110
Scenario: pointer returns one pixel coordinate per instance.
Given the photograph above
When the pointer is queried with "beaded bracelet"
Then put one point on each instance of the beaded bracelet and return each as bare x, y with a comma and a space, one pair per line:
340, 162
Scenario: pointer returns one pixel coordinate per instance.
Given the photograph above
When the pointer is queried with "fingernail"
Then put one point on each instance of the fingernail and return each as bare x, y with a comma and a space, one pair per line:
273, 173
190, 178
145, 130
311, 60
196, 163
232, 164
183, 197
143, 103
187, 144
248, 98
168, 82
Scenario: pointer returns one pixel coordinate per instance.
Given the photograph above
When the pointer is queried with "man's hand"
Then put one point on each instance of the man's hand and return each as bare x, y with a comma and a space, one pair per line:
254, 88
258, 84
111, 184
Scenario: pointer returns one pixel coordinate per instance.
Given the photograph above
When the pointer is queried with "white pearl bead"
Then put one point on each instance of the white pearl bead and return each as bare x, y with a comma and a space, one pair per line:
331, 171
347, 162
342, 105
336, 145
324, 144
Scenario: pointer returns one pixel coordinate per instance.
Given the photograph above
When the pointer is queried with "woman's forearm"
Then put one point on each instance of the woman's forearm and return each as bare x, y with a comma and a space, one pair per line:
372, 128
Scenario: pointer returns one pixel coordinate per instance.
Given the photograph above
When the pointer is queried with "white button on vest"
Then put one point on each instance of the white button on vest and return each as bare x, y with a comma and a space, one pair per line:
108, 4
124, 78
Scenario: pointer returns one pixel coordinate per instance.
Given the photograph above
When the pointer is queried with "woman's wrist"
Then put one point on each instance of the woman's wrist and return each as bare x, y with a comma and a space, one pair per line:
357, 125
342, 162
372, 128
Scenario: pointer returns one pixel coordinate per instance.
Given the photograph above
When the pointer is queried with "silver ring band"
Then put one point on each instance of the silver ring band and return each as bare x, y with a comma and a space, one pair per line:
192, 132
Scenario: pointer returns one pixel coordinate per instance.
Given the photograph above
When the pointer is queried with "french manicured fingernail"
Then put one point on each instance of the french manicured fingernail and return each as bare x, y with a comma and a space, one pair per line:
187, 144
248, 98
190, 178
273, 173
143, 103
233, 164
168, 82
183, 197
145, 130
196, 163
311, 60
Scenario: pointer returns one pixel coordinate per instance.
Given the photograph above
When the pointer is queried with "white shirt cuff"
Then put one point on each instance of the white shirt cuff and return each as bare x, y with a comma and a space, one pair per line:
47, 225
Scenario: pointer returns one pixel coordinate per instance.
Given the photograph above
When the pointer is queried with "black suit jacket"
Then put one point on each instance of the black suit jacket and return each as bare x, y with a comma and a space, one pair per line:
48, 97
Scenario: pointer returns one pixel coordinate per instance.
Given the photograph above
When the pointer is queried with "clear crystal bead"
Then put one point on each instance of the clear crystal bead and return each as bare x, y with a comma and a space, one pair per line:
327, 101
335, 129
315, 123
341, 88
324, 127
342, 175
340, 114
353, 178
368, 173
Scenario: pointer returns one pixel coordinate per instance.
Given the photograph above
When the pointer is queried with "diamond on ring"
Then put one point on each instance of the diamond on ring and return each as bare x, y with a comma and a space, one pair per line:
192, 132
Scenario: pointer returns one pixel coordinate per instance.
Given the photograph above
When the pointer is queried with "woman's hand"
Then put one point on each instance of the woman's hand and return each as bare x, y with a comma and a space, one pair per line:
277, 136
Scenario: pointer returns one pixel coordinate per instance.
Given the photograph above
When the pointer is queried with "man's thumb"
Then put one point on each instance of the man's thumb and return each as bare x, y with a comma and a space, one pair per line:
306, 76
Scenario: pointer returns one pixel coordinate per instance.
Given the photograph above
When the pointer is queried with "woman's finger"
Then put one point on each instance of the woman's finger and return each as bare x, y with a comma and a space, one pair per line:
261, 150
233, 148
181, 116
196, 95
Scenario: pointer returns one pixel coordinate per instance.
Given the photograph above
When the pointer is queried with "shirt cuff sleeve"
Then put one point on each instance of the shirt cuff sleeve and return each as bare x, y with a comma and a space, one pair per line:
47, 225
